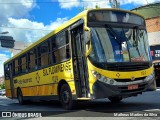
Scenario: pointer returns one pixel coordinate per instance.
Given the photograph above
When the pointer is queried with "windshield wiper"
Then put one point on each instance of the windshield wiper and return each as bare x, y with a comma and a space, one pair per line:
113, 34
135, 36
138, 36
135, 39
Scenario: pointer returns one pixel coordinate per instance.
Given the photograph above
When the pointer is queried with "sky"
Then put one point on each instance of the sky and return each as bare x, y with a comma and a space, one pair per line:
29, 20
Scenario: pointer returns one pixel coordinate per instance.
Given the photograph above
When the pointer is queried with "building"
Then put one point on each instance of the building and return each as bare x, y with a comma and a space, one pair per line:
19, 46
151, 13
1, 80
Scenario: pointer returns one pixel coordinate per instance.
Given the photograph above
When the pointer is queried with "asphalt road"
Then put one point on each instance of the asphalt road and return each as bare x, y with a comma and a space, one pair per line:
145, 106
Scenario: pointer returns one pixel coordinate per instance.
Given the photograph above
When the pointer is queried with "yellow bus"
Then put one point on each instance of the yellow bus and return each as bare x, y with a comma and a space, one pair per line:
100, 53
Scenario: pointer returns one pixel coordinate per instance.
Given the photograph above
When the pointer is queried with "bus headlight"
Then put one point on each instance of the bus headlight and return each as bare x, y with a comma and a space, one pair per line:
98, 76
103, 78
150, 77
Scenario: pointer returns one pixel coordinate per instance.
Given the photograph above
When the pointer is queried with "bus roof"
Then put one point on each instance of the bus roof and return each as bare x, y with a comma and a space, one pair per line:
61, 27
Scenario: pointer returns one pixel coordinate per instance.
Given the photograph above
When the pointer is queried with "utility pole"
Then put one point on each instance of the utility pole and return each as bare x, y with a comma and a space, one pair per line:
147, 2
114, 3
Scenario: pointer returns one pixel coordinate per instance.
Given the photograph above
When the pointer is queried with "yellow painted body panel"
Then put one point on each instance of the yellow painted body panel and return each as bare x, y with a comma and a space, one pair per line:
8, 92
8, 88
43, 82
7, 84
42, 90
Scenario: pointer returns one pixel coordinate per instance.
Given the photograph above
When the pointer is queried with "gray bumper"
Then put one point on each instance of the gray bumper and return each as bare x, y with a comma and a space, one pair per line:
102, 90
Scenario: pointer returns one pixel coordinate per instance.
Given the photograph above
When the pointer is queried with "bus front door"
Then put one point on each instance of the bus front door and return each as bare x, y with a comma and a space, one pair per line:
79, 62
11, 80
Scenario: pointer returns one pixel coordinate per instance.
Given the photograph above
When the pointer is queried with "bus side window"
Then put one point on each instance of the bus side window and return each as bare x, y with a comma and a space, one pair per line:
60, 47
16, 67
32, 59
6, 69
44, 54
53, 42
39, 57
23, 64
67, 52
19, 66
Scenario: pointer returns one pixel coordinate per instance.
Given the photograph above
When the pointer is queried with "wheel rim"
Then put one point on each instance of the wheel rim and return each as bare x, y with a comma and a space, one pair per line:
65, 96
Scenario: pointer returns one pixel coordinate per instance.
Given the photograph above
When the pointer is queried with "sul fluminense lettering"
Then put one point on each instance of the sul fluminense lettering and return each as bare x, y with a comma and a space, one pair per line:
58, 68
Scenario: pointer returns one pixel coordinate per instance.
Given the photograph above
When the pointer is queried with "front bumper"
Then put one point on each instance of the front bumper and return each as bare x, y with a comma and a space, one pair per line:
102, 90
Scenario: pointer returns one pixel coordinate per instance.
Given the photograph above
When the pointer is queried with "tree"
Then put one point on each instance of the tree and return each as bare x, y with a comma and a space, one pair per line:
97, 6
3, 86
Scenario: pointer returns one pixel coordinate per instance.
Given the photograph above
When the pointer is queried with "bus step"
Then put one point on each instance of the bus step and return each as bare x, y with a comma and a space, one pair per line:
84, 98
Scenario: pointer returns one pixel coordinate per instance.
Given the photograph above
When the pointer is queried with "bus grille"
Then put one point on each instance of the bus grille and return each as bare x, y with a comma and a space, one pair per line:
128, 67
129, 80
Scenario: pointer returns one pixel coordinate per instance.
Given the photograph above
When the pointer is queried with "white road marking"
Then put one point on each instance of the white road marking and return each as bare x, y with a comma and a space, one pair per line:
153, 110
158, 89
4, 105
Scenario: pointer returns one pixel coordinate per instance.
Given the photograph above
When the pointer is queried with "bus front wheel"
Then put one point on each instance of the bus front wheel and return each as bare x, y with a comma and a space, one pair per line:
20, 97
66, 97
115, 99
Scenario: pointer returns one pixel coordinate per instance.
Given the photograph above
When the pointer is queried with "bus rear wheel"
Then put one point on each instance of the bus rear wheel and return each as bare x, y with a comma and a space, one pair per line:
66, 97
115, 99
20, 97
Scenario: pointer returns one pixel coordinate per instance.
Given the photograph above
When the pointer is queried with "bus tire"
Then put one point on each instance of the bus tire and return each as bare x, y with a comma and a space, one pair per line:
20, 97
66, 97
115, 99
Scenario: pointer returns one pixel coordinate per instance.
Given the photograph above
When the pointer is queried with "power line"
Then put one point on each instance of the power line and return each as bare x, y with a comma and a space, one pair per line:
24, 28
40, 2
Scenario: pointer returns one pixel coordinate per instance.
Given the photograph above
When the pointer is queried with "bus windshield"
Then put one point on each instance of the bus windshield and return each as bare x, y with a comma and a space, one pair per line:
113, 16
114, 44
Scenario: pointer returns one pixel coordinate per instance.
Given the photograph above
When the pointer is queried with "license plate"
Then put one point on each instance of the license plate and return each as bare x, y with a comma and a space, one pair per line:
132, 87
